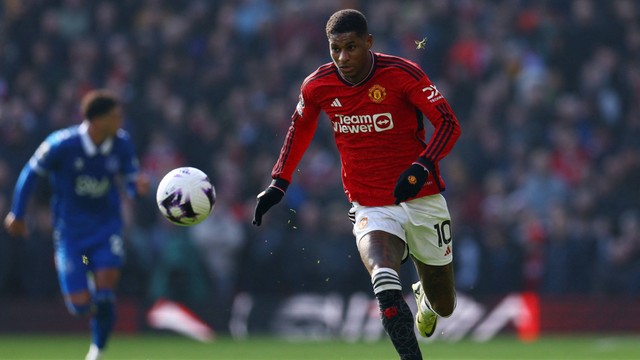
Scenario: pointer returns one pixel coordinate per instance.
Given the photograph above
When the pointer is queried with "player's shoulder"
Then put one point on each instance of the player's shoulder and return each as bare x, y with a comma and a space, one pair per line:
123, 134
323, 73
122, 139
64, 136
400, 65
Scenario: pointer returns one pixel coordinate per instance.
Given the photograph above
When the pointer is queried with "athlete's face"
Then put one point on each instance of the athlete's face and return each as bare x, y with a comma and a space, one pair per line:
112, 121
350, 53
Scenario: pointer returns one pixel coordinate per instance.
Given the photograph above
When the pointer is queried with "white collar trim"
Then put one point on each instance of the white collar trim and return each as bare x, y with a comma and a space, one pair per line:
87, 144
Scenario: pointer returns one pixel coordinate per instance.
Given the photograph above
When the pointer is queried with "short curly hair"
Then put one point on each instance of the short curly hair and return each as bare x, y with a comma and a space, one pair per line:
97, 103
347, 20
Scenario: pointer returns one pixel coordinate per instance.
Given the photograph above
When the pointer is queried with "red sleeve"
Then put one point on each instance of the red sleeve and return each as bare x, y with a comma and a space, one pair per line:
304, 122
436, 108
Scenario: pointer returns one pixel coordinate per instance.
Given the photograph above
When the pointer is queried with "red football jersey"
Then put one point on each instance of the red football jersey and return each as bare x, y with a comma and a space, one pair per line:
377, 124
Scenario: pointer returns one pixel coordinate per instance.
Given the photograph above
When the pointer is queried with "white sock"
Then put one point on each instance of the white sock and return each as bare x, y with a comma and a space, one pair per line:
425, 305
385, 279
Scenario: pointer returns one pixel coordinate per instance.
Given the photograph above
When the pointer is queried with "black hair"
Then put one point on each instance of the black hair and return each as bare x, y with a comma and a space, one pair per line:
347, 20
97, 103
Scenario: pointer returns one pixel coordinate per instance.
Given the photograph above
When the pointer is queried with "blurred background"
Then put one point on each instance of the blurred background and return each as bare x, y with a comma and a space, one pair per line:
543, 185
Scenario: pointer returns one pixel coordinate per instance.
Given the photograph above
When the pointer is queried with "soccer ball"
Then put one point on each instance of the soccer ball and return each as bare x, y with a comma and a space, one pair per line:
185, 196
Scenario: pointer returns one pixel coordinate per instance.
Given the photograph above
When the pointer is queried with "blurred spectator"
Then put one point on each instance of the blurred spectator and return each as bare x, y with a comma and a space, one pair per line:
177, 272
620, 268
219, 240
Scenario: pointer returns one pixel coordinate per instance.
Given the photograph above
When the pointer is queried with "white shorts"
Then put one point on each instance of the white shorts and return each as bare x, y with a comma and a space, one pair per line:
424, 224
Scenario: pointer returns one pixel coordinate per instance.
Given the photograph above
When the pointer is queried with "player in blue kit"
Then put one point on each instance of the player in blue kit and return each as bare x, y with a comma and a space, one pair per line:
85, 165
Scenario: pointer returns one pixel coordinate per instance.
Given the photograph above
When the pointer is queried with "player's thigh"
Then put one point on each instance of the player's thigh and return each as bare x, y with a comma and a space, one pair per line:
101, 255
380, 236
108, 251
107, 278
379, 249
71, 268
106, 261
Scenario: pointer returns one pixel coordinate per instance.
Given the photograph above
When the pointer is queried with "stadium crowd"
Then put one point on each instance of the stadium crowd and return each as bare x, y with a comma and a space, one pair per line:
542, 185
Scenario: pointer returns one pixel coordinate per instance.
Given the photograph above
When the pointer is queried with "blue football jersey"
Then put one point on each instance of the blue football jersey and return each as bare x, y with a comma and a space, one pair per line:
83, 178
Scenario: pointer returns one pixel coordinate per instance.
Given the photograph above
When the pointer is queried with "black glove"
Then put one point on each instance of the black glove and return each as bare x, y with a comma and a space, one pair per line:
269, 197
410, 182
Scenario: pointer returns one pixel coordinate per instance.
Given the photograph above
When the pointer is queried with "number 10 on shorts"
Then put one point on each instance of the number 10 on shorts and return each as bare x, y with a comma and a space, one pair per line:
444, 232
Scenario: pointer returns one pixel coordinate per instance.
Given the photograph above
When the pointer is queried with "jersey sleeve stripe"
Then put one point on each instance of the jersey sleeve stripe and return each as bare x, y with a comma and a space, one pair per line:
286, 148
412, 70
442, 137
33, 163
444, 133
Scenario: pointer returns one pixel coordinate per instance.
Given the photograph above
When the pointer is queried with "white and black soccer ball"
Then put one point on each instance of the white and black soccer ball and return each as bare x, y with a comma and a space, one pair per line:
185, 196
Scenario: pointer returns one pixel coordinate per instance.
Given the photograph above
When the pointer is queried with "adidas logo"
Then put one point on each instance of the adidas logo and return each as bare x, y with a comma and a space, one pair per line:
448, 251
336, 103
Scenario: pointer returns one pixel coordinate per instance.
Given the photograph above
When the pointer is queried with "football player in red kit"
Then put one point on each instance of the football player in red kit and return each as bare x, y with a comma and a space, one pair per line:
390, 172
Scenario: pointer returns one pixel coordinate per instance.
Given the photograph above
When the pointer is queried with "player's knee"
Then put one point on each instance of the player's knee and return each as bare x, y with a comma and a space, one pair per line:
445, 308
104, 298
445, 311
78, 309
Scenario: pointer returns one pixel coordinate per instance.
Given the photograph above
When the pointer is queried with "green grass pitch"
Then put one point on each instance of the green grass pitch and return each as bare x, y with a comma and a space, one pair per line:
169, 346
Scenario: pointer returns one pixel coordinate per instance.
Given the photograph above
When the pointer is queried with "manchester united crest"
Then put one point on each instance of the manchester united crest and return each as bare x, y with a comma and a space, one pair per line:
377, 93
363, 223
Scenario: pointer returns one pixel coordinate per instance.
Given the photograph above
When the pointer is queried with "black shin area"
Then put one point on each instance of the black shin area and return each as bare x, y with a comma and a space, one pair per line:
397, 321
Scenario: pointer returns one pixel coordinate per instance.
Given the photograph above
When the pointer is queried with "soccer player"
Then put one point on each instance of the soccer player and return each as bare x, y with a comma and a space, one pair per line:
85, 164
390, 173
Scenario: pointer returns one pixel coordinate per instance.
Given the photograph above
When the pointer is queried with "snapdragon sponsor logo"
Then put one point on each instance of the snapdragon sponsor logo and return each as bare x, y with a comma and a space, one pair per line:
355, 124
433, 94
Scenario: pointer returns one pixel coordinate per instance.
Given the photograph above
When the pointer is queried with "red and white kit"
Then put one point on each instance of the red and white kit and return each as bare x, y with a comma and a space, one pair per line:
377, 124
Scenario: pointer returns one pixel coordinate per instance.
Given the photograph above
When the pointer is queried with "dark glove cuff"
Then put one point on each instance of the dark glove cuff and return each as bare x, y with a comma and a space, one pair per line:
425, 163
280, 184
